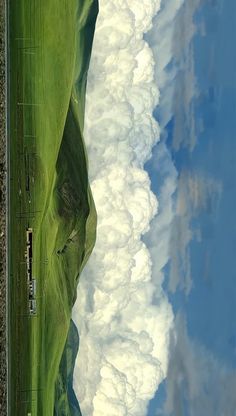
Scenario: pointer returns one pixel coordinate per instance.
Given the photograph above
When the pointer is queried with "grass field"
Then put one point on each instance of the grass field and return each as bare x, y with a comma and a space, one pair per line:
49, 50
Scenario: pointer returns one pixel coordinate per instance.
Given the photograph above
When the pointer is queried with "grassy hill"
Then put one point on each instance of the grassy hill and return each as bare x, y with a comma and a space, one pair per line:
50, 45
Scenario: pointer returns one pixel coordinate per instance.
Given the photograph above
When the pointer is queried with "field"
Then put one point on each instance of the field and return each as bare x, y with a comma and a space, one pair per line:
49, 50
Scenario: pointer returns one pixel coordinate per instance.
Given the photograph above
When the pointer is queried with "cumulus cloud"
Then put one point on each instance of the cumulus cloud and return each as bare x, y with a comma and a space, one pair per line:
173, 51
124, 336
158, 238
171, 41
197, 383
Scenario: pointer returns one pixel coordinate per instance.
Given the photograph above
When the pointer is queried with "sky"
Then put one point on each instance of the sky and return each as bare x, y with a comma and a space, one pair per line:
200, 275
155, 308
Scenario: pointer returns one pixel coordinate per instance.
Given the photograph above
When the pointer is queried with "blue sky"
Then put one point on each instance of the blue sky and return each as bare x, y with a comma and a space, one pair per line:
209, 166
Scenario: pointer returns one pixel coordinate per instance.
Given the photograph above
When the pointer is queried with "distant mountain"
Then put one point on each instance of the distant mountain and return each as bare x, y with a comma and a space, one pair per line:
66, 403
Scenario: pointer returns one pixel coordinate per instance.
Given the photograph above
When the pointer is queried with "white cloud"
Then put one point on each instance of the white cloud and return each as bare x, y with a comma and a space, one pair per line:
171, 42
160, 233
124, 337
175, 75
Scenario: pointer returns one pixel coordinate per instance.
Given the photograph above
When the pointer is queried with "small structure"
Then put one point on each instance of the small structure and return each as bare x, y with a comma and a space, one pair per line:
32, 289
31, 281
32, 306
29, 235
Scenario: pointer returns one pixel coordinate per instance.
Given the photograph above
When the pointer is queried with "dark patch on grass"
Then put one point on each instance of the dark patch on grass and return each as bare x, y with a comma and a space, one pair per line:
69, 201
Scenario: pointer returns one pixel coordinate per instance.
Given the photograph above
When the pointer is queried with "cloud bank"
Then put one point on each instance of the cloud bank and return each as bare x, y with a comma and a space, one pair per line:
124, 336
170, 233
124, 317
171, 41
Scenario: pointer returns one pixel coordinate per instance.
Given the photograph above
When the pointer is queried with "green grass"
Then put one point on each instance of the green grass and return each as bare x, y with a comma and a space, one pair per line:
50, 45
